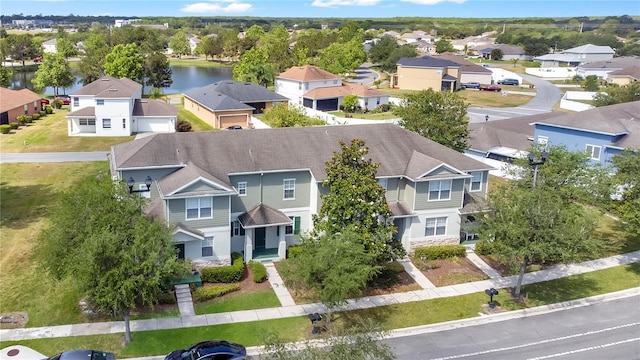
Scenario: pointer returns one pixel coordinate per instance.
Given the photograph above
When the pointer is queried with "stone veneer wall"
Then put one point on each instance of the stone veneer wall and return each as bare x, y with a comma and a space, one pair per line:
433, 241
198, 265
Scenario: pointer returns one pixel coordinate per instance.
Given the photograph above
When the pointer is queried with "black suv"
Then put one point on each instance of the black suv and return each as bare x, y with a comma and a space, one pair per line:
509, 82
470, 85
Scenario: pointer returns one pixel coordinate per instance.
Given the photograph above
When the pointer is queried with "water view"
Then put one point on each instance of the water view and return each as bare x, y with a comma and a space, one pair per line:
185, 78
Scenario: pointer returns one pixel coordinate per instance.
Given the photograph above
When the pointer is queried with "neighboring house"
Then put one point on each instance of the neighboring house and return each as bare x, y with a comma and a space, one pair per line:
469, 72
318, 89
230, 103
473, 43
394, 34
576, 56
194, 41
255, 191
114, 107
509, 52
624, 76
600, 132
426, 72
601, 69
424, 47
14, 103
49, 46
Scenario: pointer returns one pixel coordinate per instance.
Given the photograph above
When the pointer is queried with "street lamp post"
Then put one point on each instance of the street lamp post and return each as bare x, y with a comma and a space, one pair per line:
537, 162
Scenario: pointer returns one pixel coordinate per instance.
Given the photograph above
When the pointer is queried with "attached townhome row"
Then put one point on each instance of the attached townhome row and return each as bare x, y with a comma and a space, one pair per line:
255, 191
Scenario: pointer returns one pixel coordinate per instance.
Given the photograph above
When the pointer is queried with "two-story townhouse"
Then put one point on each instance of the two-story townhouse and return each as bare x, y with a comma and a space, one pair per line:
255, 191
318, 89
114, 107
426, 72
600, 132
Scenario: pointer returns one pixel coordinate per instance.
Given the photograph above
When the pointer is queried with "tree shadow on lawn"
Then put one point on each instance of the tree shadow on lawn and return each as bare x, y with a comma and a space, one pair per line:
23, 204
559, 290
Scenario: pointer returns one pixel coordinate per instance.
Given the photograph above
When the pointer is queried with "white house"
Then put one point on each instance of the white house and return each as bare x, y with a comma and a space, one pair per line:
114, 107
49, 46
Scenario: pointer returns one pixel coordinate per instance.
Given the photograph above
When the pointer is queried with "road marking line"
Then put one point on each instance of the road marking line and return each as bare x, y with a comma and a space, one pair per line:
538, 342
586, 349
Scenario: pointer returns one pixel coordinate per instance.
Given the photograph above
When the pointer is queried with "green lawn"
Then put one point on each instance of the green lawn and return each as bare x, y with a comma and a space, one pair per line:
149, 343
369, 116
476, 98
49, 134
232, 302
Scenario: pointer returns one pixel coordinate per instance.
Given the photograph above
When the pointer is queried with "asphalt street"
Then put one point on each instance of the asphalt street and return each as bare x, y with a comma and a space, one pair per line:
53, 157
608, 330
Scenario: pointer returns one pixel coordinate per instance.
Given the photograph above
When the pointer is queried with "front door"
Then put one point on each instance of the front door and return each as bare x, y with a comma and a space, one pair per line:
180, 248
260, 238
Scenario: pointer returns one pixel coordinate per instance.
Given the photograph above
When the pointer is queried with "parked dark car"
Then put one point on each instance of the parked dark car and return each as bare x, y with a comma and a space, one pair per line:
83, 355
495, 88
210, 350
470, 85
509, 82
66, 99
234, 127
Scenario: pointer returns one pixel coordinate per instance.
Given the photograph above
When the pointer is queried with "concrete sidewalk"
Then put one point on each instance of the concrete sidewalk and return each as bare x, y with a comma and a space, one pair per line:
301, 310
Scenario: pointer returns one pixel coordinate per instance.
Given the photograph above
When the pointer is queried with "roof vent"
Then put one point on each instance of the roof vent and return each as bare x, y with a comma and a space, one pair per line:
112, 90
105, 79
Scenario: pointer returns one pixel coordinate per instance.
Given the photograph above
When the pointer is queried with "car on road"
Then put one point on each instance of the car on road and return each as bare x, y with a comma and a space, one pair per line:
66, 99
234, 127
509, 82
210, 350
37, 59
494, 88
470, 85
83, 355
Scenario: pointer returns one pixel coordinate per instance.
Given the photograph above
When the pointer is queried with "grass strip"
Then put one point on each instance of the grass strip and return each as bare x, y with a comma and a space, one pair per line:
160, 342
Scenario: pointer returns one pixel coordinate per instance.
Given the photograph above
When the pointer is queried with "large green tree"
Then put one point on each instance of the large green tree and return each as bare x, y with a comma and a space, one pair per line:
391, 63
541, 223
157, 71
354, 199
5, 76
618, 94
254, 66
436, 115
286, 115
341, 58
117, 256
627, 165
125, 61
21, 47
179, 44
444, 45
53, 71
381, 49
210, 46
65, 47
91, 65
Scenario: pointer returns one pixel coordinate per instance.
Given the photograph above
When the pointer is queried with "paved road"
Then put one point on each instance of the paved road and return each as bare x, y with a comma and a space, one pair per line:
53, 157
547, 95
364, 75
608, 330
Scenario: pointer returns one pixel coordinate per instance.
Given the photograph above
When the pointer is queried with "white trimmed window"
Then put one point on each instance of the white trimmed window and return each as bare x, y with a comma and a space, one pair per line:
476, 181
106, 123
295, 228
207, 246
439, 190
85, 121
242, 188
289, 186
236, 228
99, 101
76, 101
199, 208
593, 151
436, 226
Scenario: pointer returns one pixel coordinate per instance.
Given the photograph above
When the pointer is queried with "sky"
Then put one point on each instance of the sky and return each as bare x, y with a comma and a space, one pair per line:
325, 8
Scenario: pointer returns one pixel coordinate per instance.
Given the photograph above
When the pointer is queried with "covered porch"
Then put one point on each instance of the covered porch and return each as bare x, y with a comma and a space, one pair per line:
265, 230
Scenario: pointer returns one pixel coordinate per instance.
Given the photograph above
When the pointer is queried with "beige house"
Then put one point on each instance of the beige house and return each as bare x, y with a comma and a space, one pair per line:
469, 72
230, 103
426, 73
624, 76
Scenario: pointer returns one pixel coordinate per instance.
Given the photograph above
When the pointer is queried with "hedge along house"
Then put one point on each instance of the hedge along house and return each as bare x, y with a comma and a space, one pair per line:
255, 191
230, 103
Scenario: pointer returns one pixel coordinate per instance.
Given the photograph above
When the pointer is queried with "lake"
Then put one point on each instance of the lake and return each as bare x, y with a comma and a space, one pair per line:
184, 78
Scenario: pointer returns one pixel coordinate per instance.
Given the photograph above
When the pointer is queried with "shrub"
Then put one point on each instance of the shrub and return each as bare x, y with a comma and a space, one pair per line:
183, 126
259, 271
24, 119
440, 252
5, 129
293, 251
483, 247
166, 298
225, 274
394, 266
35, 116
48, 109
384, 107
14, 125
57, 104
42, 113
210, 292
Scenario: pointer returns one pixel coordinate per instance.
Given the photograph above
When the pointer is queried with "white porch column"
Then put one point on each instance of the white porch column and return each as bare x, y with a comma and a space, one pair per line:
282, 244
248, 245
406, 234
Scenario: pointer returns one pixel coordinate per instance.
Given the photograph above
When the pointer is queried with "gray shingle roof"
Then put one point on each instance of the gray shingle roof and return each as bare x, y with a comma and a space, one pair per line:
85, 111
232, 95
221, 153
427, 61
188, 174
110, 87
261, 215
147, 107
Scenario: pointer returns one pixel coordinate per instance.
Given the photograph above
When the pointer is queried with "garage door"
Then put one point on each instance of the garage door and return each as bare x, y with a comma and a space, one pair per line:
154, 125
226, 121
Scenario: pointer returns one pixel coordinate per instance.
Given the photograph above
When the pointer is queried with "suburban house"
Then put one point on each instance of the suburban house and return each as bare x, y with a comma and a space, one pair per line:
14, 103
601, 69
230, 103
115, 107
49, 46
426, 72
600, 132
624, 77
509, 52
469, 72
319, 89
254, 191
576, 56
425, 47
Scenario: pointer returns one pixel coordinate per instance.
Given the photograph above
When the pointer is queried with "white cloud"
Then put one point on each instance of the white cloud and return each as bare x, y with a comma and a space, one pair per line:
432, 2
334, 3
217, 6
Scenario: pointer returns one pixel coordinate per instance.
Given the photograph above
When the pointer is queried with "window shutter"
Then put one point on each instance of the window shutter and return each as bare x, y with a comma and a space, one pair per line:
296, 225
